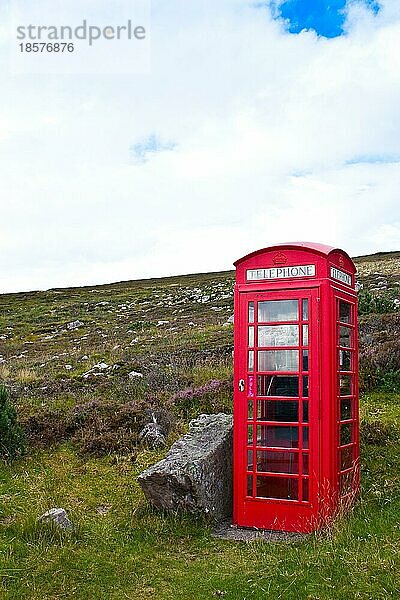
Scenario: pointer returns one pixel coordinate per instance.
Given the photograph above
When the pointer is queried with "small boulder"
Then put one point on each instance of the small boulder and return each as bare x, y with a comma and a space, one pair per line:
230, 321
196, 474
135, 374
75, 325
152, 436
58, 516
157, 425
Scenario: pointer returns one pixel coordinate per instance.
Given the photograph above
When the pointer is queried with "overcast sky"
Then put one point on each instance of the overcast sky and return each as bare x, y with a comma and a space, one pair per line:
259, 122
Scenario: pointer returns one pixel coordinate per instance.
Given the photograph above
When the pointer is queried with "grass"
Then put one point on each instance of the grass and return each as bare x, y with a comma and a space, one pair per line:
174, 332
122, 549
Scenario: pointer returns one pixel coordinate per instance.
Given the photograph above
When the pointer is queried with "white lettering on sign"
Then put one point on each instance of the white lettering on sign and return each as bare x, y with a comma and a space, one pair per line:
281, 272
340, 276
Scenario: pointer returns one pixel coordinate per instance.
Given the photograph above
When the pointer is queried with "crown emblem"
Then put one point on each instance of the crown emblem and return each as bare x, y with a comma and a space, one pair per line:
341, 261
280, 259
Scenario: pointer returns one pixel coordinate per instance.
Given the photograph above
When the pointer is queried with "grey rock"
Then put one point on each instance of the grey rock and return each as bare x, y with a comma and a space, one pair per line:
134, 374
196, 474
58, 516
230, 321
157, 426
152, 436
75, 325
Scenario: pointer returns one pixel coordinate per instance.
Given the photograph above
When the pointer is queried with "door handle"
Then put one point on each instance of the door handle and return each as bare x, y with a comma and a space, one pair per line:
241, 385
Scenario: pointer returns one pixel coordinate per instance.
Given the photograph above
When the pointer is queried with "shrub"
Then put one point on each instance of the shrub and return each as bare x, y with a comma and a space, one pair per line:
46, 427
212, 397
383, 303
96, 428
380, 352
104, 442
12, 437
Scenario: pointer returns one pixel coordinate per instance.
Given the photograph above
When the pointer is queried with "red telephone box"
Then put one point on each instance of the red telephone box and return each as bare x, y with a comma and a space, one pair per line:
296, 440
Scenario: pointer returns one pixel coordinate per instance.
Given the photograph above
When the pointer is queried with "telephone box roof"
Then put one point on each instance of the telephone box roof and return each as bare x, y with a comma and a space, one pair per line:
321, 249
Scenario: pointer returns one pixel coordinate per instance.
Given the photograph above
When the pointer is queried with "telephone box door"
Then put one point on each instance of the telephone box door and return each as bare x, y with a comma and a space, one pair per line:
277, 410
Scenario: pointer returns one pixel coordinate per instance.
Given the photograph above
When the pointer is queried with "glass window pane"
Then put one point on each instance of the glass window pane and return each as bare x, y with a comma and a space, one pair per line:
305, 464
249, 485
250, 410
278, 360
305, 386
251, 336
278, 335
276, 436
305, 437
345, 385
346, 483
251, 360
275, 410
344, 360
277, 462
345, 409
305, 335
277, 487
346, 458
305, 310
249, 460
305, 360
344, 312
305, 411
305, 490
278, 310
250, 434
345, 434
251, 312
278, 385
345, 336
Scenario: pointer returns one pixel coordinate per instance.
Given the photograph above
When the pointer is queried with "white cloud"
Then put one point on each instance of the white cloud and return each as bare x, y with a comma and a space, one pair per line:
264, 124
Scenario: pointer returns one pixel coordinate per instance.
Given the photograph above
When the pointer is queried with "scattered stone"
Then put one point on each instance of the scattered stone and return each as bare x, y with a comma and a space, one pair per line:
196, 474
163, 419
102, 366
75, 325
229, 322
134, 374
162, 323
152, 436
97, 370
68, 367
58, 516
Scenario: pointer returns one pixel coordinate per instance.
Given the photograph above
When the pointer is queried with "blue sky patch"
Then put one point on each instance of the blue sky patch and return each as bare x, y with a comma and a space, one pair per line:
141, 151
325, 17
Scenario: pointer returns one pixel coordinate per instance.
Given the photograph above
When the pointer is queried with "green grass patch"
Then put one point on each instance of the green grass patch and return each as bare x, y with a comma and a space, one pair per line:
120, 548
